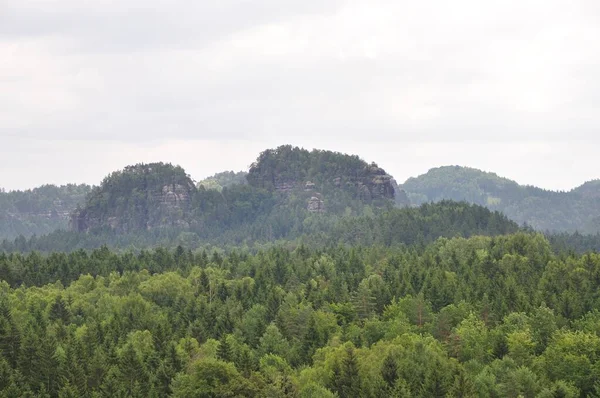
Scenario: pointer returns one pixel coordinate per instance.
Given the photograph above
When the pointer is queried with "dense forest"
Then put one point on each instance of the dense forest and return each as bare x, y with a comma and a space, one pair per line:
388, 227
463, 317
575, 211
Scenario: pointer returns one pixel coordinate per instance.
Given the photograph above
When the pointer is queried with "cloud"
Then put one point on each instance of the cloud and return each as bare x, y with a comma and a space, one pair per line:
350, 73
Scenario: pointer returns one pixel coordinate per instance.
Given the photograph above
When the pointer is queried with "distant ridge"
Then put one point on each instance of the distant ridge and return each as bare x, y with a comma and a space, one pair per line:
576, 210
316, 181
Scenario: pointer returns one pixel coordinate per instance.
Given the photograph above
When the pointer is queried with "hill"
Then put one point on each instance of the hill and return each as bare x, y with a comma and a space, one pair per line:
286, 180
576, 210
38, 211
290, 168
281, 195
137, 198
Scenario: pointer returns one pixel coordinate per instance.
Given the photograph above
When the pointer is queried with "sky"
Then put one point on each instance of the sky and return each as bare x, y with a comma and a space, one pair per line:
90, 86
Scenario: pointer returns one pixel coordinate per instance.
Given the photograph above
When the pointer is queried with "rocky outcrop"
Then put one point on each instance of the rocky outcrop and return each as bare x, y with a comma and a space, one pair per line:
316, 205
140, 197
372, 183
381, 184
284, 186
174, 196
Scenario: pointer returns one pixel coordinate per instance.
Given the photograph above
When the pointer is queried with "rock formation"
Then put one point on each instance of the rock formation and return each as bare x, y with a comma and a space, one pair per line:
139, 197
316, 205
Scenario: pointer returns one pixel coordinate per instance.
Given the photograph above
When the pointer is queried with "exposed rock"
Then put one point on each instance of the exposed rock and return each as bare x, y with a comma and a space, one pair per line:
382, 187
309, 186
284, 186
113, 222
316, 205
174, 195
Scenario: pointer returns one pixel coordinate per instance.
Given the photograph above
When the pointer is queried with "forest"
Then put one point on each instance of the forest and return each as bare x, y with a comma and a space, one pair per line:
305, 277
384, 226
483, 316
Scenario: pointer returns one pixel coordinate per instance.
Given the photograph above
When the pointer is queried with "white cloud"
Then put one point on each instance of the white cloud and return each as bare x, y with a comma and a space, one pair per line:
128, 76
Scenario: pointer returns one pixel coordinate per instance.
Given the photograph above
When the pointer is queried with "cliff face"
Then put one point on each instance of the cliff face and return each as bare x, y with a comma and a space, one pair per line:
139, 197
378, 183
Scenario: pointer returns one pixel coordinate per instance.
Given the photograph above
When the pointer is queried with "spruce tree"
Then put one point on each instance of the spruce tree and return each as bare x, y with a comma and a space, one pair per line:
350, 378
389, 371
224, 351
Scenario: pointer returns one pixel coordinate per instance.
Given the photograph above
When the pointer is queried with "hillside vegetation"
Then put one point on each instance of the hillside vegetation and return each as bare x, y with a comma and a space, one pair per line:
386, 227
576, 210
38, 211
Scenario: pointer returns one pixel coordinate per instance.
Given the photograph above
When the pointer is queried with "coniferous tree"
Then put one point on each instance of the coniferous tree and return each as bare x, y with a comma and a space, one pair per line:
389, 371
224, 352
350, 382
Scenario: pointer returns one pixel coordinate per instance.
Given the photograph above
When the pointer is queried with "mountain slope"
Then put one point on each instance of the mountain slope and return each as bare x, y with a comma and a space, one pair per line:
576, 210
38, 211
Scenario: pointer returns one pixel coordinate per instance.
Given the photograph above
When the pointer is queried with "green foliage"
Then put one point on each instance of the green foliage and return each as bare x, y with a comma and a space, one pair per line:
576, 210
223, 180
246, 223
404, 314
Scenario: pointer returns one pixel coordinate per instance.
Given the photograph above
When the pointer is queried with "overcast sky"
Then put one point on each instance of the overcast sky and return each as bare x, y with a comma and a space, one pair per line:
90, 86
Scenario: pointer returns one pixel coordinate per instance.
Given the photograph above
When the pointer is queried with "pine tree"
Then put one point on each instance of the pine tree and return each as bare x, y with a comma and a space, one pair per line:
336, 378
29, 357
204, 282
245, 364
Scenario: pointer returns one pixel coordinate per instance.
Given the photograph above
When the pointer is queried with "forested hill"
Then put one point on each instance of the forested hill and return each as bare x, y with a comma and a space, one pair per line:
576, 210
284, 186
279, 197
40, 210
138, 198
288, 168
